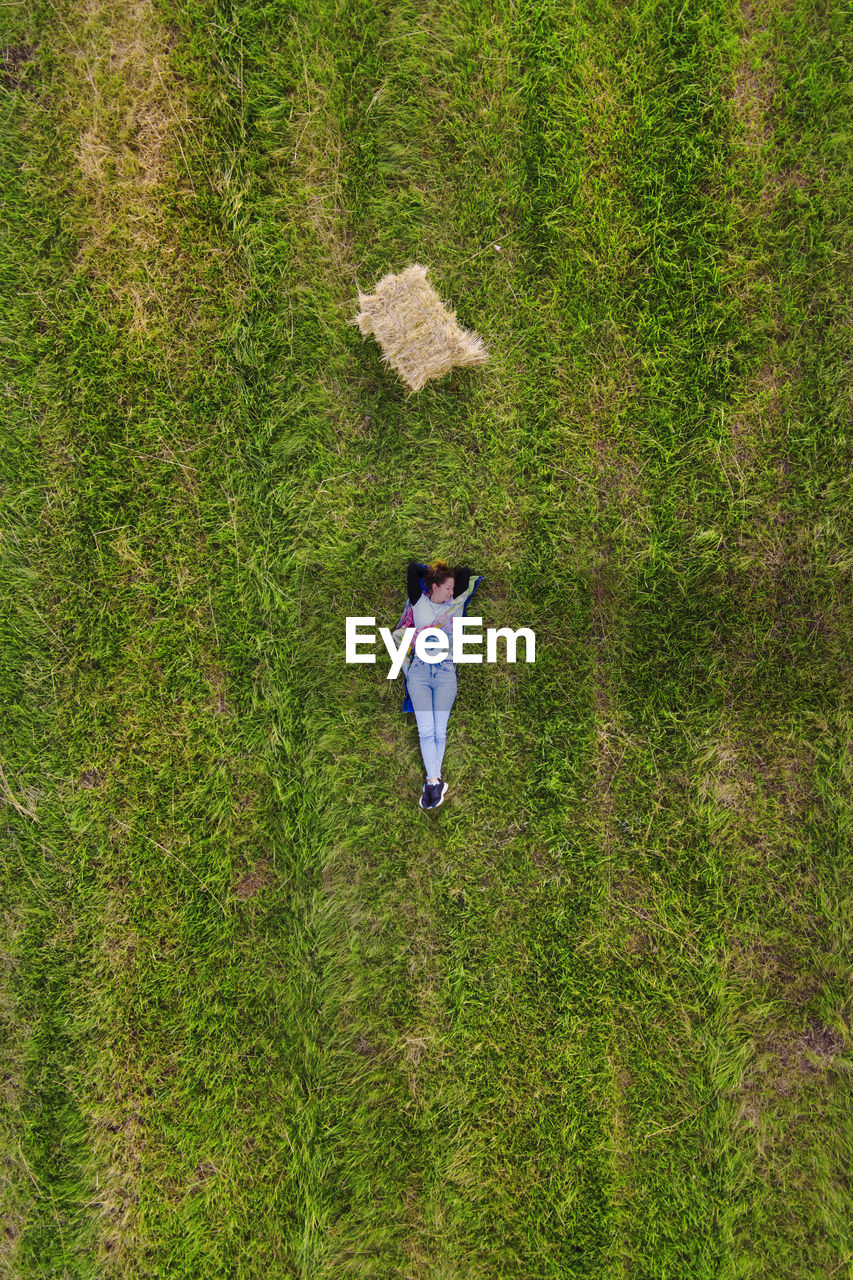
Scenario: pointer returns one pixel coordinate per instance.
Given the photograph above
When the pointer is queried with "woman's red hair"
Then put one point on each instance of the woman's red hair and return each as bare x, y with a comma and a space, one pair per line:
437, 573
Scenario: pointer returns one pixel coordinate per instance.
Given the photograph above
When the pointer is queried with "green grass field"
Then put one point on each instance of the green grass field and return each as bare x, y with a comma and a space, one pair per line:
262, 1018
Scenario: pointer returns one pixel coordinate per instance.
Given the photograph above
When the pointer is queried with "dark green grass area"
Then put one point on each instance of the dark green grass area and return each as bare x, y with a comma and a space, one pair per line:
264, 1017
42, 1130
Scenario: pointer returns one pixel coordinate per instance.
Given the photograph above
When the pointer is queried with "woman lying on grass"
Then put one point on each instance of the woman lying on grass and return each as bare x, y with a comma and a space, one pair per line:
437, 595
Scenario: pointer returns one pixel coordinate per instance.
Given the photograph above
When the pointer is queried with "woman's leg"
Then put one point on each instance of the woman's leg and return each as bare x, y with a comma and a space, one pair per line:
444, 695
420, 687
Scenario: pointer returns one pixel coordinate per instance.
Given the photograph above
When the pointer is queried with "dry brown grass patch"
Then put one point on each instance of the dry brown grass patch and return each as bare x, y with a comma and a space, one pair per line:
754, 91
740, 773
253, 881
754, 88
767, 380
335, 875
129, 121
753, 95
13, 60
364, 1048
216, 679
14, 1030
119, 1140
788, 1058
121, 949
639, 944
785, 1065
755, 426
610, 745
91, 778
415, 1049
629, 910
618, 475
774, 969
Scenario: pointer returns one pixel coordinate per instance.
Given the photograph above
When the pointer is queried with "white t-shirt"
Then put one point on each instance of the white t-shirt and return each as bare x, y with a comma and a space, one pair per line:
426, 611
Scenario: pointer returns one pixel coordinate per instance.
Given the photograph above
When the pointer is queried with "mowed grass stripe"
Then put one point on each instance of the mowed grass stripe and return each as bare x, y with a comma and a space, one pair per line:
453, 1150
774, 789
44, 1133
318, 488
650, 1059
505, 1144
532, 1008
653, 933
597, 235
707, 897
180, 1054
551, 759
654, 1072
673, 1160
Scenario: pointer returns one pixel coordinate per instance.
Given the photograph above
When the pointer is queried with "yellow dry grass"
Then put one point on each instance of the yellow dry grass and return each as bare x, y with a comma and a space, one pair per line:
419, 337
129, 125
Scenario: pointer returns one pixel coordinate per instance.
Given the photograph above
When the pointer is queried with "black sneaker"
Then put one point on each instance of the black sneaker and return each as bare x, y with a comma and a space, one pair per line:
426, 797
438, 791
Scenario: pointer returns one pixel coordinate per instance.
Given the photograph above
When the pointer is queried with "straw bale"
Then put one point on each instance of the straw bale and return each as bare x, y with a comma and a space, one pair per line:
419, 338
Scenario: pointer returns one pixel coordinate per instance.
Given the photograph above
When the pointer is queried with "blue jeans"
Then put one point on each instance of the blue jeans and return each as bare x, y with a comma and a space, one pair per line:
432, 688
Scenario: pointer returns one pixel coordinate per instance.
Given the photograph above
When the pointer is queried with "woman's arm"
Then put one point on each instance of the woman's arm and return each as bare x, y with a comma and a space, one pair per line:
413, 582
461, 578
